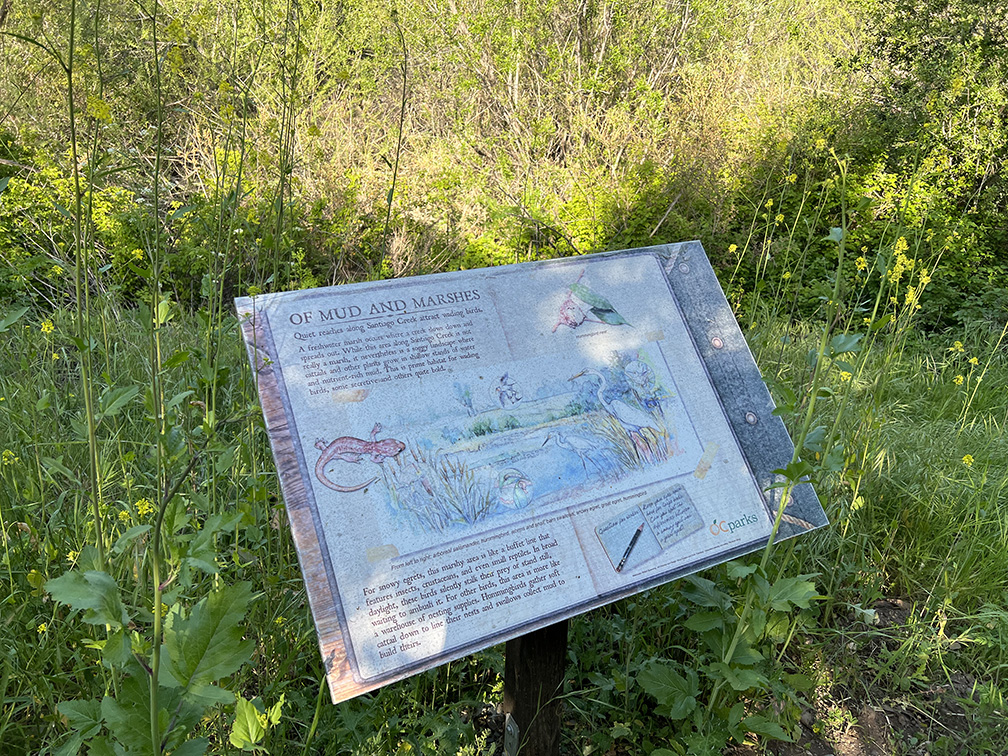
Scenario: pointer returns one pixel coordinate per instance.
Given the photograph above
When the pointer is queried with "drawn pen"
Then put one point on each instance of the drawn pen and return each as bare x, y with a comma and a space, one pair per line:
633, 542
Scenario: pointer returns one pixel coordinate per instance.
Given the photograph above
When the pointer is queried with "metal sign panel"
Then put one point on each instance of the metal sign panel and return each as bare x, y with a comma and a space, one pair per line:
469, 456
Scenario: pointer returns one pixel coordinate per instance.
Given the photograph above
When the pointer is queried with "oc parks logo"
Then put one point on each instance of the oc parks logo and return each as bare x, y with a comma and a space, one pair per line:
719, 527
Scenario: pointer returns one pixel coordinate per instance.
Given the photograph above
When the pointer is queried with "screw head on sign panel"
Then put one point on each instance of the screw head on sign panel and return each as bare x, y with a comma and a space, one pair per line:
683, 267
750, 417
716, 342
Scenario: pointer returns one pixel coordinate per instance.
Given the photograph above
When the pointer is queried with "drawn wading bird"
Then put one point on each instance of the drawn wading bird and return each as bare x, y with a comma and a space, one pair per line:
633, 419
583, 447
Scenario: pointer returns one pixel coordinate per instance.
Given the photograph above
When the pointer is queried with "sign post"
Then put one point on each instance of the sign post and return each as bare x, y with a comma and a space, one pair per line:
472, 458
533, 680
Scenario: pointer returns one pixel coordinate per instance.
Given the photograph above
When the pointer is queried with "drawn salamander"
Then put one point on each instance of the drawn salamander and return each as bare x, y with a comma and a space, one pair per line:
352, 449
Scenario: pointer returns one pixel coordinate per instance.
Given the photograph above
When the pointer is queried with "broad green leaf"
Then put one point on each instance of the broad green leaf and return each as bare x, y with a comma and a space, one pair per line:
116, 649
113, 400
126, 539
207, 646
3, 185
620, 730
180, 356
844, 343
789, 591
815, 437
95, 593
767, 728
880, 323
52, 466
84, 717
738, 570
801, 683
795, 471
740, 678
194, 747
100, 747
676, 694
701, 622
128, 717
274, 712
704, 592
834, 459
11, 317
72, 745
836, 234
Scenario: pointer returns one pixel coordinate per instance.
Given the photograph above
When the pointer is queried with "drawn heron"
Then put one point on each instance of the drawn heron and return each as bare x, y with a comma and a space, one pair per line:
583, 447
633, 419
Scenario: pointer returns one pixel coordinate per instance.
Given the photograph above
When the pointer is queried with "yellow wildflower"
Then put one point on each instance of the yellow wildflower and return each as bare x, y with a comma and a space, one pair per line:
820, 144
732, 248
124, 516
769, 203
55, 355
968, 460
958, 380
144, 507
47, 326
912, 296
9, 457
845, 375
787, 275
41, 628
956, 347
792, 178
71, 556
779, 218
55, 271
861, 263
974, 361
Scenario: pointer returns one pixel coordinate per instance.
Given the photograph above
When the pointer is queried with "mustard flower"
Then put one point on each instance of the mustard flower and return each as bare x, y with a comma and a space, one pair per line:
144, 507
968, 460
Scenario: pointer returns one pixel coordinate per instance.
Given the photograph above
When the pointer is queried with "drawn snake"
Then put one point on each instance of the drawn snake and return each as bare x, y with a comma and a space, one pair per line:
352, 449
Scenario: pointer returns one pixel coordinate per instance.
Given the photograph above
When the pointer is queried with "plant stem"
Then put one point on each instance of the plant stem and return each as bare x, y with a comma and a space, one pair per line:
395, 168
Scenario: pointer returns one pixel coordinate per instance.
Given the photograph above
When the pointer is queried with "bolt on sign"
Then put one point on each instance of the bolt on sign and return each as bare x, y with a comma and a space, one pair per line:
467, 457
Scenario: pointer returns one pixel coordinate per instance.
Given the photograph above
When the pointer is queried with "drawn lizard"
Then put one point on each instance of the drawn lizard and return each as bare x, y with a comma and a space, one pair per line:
352, 449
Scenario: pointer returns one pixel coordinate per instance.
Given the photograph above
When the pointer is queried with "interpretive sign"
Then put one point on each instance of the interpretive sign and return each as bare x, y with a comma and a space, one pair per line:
466, 457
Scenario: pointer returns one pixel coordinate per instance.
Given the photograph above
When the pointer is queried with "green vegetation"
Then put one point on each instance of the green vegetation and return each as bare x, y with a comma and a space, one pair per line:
842, 162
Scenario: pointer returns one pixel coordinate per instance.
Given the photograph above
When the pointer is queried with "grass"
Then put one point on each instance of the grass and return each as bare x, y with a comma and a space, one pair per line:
917, 507
116, 395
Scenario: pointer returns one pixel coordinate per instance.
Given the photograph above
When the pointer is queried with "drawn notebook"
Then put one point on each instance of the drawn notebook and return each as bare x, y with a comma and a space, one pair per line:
667, 519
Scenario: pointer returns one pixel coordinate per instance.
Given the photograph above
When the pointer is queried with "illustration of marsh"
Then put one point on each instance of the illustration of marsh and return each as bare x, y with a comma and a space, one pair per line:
434, 491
